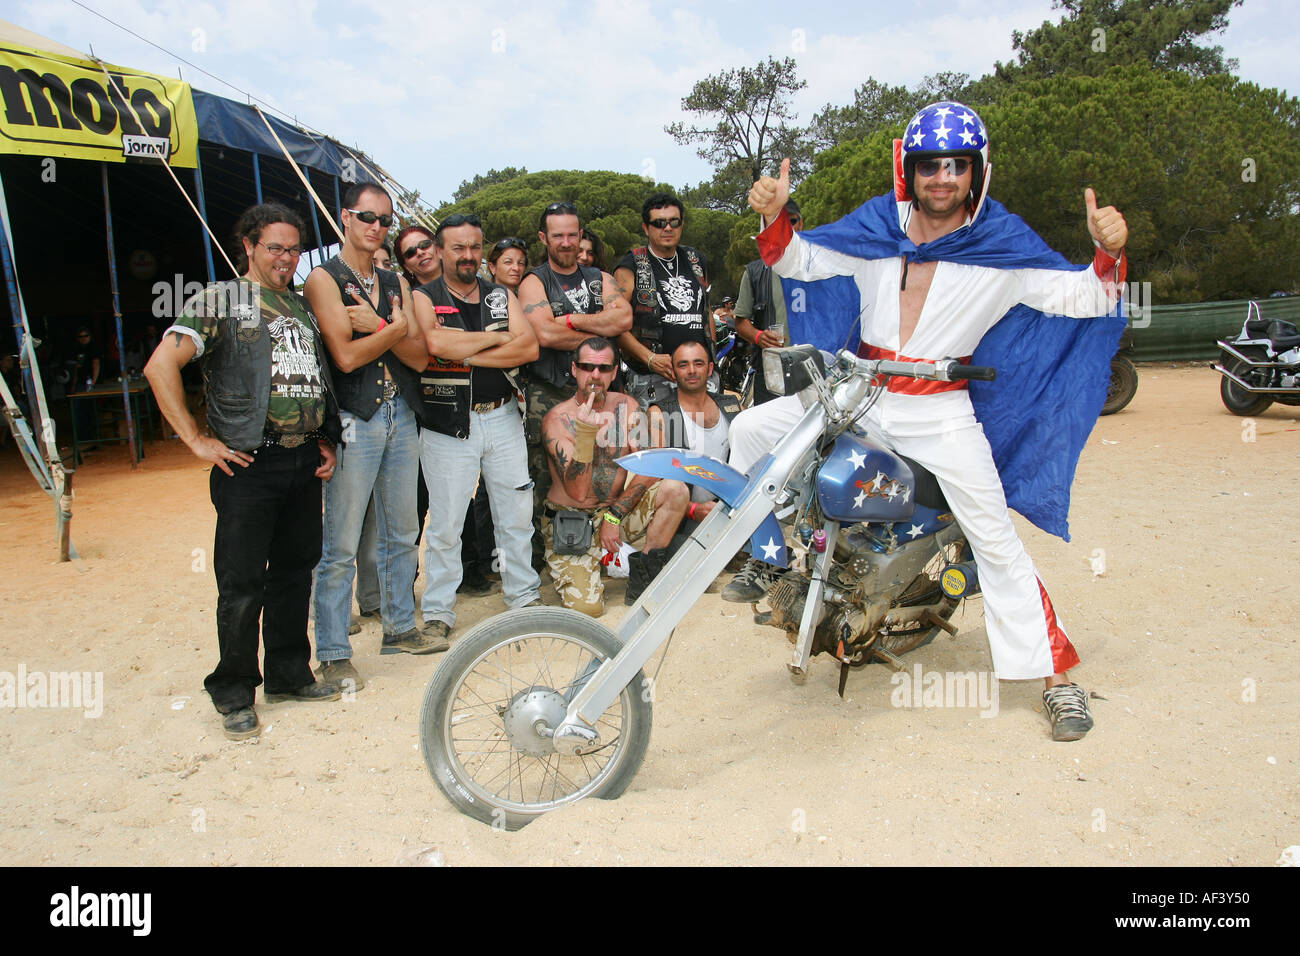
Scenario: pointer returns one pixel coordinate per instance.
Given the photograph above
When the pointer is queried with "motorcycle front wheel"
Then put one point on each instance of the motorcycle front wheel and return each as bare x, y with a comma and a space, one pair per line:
1235, 398
494, 698
1123, 385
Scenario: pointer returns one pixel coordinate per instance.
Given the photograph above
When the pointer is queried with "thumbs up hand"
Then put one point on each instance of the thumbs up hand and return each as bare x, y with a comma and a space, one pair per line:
1106, 225
768, 196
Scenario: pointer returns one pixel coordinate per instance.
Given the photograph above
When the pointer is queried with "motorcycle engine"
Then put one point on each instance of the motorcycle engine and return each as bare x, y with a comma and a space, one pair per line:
873, 597
847, 615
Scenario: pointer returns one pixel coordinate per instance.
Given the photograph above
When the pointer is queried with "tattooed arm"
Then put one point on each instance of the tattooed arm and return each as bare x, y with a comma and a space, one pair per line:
551, 332
615, 317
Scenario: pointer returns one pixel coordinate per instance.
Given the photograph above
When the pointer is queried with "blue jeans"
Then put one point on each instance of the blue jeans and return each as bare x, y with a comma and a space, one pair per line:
367, 572
495, 447
380, 457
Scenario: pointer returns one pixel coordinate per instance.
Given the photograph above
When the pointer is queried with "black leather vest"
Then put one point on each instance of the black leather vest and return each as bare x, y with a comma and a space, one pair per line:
446, 386
647, 312
361, 391
675, 426
552, 365
760, 284
237, 375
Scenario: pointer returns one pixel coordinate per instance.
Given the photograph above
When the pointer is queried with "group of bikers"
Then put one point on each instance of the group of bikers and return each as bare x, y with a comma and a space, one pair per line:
526, 387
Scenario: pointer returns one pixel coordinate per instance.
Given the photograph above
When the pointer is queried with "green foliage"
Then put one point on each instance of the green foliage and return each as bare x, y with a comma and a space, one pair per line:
609, 204
469, 187
876, 106
1169, 150
754, 122
1099, 34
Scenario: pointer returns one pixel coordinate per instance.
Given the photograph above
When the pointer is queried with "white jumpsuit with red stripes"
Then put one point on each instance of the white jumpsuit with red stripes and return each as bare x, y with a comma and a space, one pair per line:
939, 430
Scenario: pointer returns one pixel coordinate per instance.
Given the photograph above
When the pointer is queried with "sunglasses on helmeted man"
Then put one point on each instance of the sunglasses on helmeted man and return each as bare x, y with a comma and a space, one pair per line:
369, 217
956, 165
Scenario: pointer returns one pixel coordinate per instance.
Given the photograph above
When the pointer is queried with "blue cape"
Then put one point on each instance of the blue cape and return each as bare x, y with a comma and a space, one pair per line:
1053, 371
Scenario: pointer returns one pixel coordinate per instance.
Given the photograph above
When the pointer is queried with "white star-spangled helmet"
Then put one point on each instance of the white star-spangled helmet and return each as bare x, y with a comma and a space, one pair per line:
946, 128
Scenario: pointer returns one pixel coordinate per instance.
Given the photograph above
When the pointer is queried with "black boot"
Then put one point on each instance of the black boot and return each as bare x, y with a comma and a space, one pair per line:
642, 568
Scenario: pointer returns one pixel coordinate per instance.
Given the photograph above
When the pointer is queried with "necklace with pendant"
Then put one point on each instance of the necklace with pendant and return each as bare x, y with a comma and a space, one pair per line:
465, 297
367, 284
670, 265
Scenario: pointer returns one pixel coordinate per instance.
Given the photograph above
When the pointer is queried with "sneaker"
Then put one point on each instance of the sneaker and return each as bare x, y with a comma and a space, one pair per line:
752, 582
428, 639
342, 674
315, 691
241, 724
1067, 708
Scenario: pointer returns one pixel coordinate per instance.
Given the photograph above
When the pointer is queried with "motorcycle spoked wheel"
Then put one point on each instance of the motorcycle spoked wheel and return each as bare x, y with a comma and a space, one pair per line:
924, 589
489, 695
1237, 400
1123, 385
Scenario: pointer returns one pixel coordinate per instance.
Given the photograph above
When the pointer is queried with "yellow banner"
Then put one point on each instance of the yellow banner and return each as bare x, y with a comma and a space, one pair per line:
52, 105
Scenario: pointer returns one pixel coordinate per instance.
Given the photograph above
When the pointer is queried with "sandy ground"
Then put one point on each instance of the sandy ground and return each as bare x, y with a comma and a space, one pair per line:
1187, 635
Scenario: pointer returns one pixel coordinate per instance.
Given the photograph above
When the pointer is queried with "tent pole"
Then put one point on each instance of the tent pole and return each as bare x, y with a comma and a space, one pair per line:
294, 166
167, 166
50, 473
315, 227
257, 179
203, 214
117, 314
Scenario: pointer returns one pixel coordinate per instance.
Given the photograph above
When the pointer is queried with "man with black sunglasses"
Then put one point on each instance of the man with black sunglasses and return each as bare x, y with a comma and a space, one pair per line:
594, 506
667, 285
566, 304
375, 375
938, 270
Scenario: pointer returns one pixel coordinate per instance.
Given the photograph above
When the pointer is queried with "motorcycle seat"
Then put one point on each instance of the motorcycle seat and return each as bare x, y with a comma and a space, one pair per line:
1283, 335
927, 491
1257, 327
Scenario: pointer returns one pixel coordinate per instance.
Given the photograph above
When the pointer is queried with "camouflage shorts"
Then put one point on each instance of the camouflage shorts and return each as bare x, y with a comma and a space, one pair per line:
577, 576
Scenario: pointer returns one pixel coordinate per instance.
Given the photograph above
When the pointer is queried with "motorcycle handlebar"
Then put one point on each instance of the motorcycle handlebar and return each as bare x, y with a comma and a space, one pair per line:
944, 370
976, 373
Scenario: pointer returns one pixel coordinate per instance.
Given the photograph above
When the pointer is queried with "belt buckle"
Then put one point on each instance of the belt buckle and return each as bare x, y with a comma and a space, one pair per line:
291, 441
390, 389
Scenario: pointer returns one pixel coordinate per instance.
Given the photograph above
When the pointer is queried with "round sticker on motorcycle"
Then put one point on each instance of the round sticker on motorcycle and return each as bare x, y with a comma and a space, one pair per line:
953, 581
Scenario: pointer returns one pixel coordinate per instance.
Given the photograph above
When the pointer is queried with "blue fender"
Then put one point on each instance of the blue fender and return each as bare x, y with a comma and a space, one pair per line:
719, 479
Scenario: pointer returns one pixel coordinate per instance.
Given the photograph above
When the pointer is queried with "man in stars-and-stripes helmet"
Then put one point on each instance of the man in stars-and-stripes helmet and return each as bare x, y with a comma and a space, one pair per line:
938, 269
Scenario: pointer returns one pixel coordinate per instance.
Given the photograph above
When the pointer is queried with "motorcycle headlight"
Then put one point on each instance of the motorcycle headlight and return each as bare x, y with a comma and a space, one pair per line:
790, 370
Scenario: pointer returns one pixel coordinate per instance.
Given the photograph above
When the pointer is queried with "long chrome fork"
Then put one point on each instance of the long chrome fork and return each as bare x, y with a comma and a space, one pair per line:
662, 605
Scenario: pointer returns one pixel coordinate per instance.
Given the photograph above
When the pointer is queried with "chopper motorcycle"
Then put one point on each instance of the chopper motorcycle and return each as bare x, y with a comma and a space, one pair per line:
1261, 365
540, 707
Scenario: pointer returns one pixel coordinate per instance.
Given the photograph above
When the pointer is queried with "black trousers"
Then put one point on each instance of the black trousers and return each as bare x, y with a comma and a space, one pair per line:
267, 543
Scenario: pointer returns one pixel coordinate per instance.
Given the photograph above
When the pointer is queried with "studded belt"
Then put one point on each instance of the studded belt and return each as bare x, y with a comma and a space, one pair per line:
287, 440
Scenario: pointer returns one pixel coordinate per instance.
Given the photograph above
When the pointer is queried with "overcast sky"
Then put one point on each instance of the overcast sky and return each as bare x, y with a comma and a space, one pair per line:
439, 92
